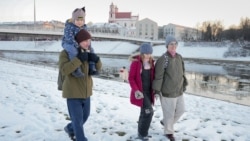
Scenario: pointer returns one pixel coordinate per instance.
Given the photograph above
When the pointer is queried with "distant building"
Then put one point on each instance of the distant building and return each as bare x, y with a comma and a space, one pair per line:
106, 28
181, 32
125, 19
147, 29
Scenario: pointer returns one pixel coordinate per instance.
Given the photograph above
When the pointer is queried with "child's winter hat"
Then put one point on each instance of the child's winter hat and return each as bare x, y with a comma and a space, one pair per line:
78, 13
170, 39
146, 48
82, 35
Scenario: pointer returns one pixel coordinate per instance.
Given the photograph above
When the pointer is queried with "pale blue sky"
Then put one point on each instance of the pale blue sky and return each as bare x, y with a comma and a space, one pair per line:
182, 12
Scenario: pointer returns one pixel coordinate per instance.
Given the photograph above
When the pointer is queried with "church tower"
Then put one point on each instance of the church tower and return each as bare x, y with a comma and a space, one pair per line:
112, 11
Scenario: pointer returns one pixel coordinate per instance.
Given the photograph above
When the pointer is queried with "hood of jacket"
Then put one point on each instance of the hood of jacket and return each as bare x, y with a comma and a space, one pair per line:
134, 57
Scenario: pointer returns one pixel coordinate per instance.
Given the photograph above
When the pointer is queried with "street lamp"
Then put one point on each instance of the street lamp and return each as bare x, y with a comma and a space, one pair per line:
35, 21
34, 14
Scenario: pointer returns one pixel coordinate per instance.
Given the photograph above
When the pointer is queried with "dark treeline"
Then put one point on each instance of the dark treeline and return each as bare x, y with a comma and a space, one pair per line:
214, 31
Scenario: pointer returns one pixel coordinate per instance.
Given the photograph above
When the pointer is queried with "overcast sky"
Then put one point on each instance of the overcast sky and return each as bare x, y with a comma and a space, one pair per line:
182, 12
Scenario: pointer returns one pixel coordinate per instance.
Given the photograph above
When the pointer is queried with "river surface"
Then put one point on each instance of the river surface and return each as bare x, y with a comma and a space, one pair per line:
228, 82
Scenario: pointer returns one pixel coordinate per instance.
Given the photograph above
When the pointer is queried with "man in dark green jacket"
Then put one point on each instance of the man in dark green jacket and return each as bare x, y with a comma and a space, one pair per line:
170, 82
77, 90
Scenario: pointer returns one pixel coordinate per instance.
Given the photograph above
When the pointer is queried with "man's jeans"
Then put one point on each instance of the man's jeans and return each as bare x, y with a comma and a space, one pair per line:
79, 110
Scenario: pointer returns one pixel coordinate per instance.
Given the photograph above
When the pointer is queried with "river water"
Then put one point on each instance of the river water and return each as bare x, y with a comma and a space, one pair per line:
226, 82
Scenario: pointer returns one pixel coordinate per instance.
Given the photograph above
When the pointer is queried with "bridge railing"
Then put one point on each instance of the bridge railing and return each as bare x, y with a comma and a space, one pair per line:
30, 28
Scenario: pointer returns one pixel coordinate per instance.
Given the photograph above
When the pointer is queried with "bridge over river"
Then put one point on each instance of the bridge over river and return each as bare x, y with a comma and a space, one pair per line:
28, 34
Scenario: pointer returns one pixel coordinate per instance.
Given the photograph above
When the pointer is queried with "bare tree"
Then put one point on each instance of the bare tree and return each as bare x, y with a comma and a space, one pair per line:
217, 29
245, 28
212, 31
232, 33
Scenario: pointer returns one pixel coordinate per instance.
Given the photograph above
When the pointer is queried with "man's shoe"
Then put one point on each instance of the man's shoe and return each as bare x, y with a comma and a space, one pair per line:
71, 135
170, 137
162, 122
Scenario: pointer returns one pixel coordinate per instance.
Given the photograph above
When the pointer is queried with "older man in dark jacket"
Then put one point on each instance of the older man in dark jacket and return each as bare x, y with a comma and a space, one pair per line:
170, 82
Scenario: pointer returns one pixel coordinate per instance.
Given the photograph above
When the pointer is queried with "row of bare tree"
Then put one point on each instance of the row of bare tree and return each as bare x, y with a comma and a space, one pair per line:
214, 31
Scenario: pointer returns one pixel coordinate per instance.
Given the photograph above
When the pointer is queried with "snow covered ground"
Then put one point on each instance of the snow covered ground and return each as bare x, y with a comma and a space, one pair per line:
33, 109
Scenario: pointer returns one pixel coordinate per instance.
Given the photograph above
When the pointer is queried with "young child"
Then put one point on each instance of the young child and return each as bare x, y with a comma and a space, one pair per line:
72, 27
124, 74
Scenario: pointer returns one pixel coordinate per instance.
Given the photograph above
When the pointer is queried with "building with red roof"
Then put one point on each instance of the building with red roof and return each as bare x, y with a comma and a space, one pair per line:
125, 19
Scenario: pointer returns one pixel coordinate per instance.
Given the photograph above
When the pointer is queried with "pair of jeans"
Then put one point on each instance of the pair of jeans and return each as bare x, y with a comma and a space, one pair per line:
79, 110
146, 115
